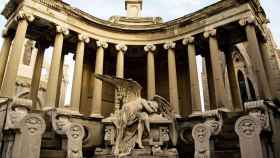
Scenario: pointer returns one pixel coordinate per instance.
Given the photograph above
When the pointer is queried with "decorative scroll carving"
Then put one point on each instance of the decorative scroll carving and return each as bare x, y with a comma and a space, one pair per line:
83, 38
150, 48
210, 32
121, 47
201, 134
102, 44
63, 30
22, 15
248, 20
75, 134
169, 45
19, 109
28, 140
248, 129
259, 110
188, 40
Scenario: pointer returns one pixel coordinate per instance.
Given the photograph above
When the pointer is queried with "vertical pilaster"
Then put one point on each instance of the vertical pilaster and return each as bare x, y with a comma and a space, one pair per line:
172, 76
151, 79
193, 79
218, 98
256, 58
37, 69
97, 87
52, 90
4, 53
120, 60
9, 82
78, 73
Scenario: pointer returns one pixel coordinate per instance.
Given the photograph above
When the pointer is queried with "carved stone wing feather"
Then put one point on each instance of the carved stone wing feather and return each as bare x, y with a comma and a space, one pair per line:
164, 107
121, 84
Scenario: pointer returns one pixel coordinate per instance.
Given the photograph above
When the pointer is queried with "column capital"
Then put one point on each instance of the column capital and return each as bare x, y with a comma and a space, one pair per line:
63, 30
83, 38
210, 32
102, 44
169, 45
22, 15
250, 20
188, 40
121, 47
150, 48
5, 32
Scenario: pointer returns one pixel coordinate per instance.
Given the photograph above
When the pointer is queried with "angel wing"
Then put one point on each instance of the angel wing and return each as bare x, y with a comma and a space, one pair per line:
120, 83
164, 107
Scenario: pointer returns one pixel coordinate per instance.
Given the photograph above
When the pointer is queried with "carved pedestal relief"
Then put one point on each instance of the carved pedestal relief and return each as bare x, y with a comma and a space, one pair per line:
75, 134
248, 129
28, 138
201, 134
73, 131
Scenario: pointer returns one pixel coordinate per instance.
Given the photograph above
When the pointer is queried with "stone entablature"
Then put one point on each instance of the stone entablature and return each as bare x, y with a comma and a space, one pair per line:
132, 34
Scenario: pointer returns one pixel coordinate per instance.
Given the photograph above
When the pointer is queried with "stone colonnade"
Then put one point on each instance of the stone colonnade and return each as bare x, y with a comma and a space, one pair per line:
8, 78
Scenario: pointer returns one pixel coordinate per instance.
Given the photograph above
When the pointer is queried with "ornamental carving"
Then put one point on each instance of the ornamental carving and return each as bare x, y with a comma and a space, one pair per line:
169, 45
83, 38
248, 20
210, 32
247, 127
22, 15
63, 30
121, 47
188, 40
150, 48
33, 124
102, 44
75, 134
201, 134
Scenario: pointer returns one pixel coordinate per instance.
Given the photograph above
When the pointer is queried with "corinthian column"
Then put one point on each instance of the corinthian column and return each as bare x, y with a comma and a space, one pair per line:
151, 79
52, 90
78, 73
97, 87
4, 53
193, 79
9, 82
217, 96
255, 56
172, 76
121, 48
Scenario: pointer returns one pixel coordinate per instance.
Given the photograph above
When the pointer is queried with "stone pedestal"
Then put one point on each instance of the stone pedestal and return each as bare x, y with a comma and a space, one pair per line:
28, 138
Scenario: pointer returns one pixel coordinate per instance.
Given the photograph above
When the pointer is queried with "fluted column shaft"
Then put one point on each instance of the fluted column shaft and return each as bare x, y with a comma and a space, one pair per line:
4, 53
218, 97
256, 58
120, 60
77, 78
172, 77
35, 83
97, 87
9, 82
193, 79
151, 78
52, 90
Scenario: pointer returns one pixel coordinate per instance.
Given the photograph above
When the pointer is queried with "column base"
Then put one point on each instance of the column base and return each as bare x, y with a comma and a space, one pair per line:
97, 116
48, 108
178, 116
196, 113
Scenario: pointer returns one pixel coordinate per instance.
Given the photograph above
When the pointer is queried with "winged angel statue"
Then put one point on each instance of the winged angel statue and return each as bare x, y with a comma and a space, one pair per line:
132, 120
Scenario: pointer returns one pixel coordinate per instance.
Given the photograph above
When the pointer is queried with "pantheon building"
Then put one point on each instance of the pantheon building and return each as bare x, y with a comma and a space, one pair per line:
136, 90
